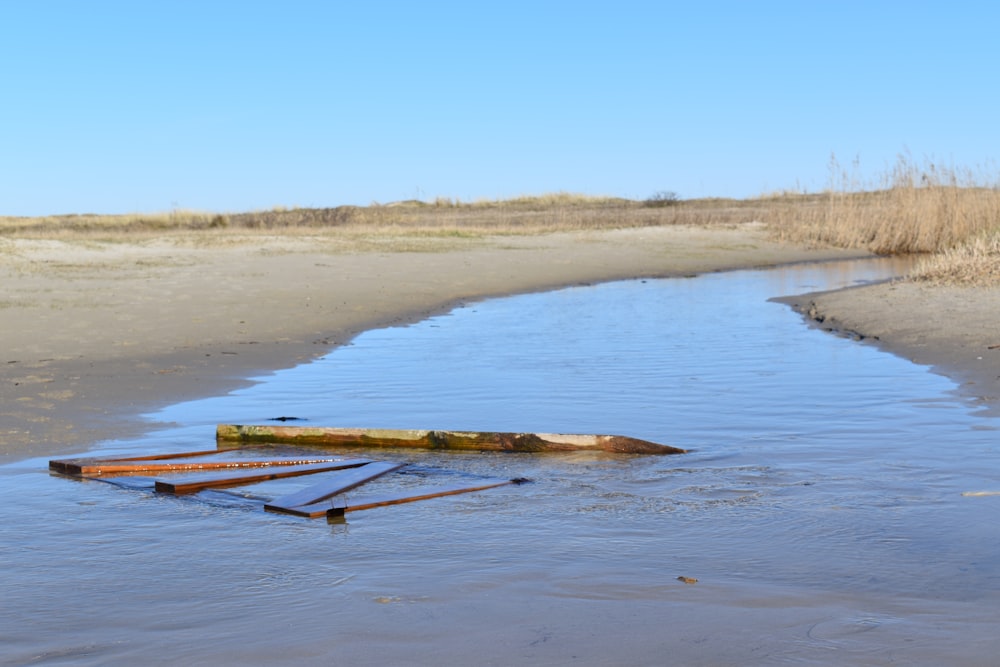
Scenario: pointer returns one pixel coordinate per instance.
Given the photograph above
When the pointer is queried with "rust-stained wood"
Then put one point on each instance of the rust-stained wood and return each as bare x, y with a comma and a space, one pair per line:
313, 501
237, 478
353, 505
338, 483
98, 467
76, 465
449, 440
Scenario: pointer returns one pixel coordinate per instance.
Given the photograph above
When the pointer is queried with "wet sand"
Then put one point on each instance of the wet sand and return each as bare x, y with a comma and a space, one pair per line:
95, 334
954, 330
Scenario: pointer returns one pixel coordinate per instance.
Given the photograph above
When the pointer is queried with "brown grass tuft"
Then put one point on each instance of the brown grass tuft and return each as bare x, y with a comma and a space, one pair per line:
975, 263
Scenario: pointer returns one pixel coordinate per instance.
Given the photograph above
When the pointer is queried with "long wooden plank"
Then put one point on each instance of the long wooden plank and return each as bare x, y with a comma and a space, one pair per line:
342, 481
352, 505
90, 467
74, 466
237, 478
456, 440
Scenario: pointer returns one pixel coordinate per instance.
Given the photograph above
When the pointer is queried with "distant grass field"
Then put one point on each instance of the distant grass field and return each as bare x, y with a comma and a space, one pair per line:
951, 215
541, 214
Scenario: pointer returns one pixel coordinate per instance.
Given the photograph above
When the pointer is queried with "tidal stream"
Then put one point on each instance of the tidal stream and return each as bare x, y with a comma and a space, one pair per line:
820, 508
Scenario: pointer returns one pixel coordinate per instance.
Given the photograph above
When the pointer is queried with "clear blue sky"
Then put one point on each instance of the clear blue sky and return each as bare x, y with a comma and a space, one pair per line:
113, 107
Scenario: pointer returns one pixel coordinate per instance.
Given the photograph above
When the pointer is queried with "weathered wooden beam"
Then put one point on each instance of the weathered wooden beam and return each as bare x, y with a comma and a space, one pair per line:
91, 467
319, 509
75, 466
237, 478
451, 440
338, 483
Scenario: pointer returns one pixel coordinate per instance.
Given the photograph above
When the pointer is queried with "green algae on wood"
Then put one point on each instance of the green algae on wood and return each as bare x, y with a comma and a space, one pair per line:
448, 440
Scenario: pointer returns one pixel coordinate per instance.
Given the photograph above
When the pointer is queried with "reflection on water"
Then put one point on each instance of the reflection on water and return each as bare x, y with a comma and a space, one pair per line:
820, 507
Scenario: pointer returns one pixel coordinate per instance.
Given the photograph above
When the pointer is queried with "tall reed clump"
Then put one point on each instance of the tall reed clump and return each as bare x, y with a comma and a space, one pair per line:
911, 208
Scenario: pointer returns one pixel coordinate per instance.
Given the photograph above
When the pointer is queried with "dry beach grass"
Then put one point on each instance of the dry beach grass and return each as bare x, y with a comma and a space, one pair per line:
444, 217
952, 215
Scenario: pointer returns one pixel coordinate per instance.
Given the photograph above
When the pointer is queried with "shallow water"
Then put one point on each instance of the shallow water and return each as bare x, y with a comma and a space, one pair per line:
820, 508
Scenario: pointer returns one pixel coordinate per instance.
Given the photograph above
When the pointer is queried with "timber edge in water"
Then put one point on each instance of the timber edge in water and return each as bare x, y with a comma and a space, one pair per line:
236, 434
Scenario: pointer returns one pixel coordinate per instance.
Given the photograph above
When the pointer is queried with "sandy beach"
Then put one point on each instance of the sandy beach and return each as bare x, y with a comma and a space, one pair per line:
954, 330
95, 334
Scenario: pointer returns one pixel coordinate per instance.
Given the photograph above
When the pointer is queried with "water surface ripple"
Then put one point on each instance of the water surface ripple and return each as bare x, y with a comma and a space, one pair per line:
820, 508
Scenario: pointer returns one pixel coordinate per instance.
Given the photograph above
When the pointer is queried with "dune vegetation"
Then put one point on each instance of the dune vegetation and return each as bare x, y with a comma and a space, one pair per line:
951, 215
523, 215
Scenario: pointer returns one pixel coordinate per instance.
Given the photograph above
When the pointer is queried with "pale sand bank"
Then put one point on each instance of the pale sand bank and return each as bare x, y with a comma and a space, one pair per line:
92, 334
955, 330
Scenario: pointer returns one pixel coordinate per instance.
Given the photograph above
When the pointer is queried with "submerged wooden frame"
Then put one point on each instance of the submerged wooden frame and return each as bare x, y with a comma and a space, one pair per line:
326, 497
321, 499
